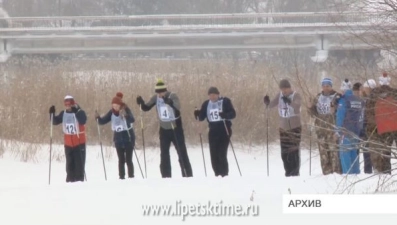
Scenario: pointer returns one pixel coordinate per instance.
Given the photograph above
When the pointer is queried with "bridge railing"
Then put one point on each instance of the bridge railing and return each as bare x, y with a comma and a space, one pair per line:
194, 20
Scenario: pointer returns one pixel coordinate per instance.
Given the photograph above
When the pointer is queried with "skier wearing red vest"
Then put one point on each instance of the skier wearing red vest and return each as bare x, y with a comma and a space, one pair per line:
73, 120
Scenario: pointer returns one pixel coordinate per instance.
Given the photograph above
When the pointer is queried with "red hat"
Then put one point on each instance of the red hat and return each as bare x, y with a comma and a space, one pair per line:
118, 99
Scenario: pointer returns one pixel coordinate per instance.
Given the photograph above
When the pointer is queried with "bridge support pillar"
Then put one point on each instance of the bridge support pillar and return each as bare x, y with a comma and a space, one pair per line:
4, 53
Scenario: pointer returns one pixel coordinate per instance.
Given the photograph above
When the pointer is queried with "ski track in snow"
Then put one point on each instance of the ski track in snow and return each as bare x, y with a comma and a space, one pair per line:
26, 197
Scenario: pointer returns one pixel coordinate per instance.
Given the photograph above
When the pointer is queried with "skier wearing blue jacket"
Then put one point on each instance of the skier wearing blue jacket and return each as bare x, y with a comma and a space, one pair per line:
348, 127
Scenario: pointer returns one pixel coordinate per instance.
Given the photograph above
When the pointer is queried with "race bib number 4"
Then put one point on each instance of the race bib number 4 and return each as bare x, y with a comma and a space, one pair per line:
164, 113
71, 128
214, 115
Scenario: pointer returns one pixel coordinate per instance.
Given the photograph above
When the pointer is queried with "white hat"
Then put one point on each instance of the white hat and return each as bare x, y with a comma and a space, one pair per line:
371, 83
68, 97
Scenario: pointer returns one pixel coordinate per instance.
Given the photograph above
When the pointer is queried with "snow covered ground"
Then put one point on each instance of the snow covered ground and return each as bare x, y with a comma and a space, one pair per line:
26, 197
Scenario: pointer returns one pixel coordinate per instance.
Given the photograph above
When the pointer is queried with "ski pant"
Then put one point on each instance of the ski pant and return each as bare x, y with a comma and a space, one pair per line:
348, 153
219, 143
177, 137
290, 150
75, 163
329, 156
124, 153
367, 158
380, 146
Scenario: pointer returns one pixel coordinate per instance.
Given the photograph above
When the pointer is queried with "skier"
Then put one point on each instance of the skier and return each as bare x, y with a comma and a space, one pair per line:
171, 129
73, 120
219, 112
348, 127
384, 79
365, 91
121, 119
381, 126
323, 109
289, 105
346, 85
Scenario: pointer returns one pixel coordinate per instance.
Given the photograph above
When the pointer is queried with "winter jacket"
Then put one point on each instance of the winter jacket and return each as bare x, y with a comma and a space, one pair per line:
174, 109
121, 138
226, 107
376, 93
74, 128
349, 114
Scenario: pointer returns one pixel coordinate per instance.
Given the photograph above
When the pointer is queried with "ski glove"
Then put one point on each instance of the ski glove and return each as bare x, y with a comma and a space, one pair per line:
75, 108
286, 100
196, 114
139, 100
97, 115
266, 100
222, 115
52, 110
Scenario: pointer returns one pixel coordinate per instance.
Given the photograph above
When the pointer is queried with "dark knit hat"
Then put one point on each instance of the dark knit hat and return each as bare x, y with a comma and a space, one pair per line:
160, 86
213, 90
118, 99
356, 86
284, 84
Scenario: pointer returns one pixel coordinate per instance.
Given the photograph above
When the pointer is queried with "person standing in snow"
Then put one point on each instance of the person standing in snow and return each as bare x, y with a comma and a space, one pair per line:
380, 144
349, 124
365, 92
73, 120
122, 120
323, 109
219, 112
346, 85
171, 129
384, 79
288, 102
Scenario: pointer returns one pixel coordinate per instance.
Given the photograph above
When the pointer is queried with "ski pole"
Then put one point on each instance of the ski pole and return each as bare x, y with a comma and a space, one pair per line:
83, 158
49, 170
100, 142
202, 149
267, 139
143, 142
231, 145
136, 156
178, 150
310, 150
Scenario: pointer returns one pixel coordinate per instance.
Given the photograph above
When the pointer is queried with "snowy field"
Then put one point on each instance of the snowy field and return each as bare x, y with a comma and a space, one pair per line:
27, 198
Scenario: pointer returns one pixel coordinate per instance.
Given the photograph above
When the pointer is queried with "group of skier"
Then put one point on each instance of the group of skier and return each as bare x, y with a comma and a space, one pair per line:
344, 123
217, 110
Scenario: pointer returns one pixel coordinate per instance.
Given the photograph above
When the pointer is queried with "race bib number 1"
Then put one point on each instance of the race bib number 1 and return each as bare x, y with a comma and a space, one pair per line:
71, 128
214, 115
164, 113
285, 112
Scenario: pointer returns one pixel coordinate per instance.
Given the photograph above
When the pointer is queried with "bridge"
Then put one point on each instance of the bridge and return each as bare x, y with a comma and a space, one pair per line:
320, 32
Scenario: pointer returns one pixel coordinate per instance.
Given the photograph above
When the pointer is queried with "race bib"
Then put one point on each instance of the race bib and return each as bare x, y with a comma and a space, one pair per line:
119, 128
214, 115
324, 108
284, 112
71, 128
164, 113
